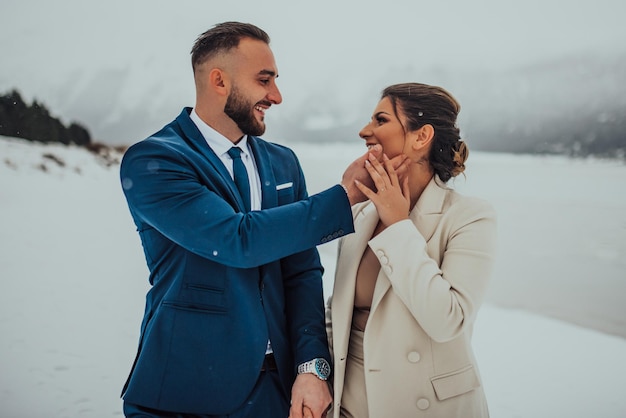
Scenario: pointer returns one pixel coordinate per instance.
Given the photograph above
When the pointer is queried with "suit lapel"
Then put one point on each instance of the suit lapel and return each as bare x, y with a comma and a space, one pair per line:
269, 195
425, 216
429, 208
352, 248
195, 139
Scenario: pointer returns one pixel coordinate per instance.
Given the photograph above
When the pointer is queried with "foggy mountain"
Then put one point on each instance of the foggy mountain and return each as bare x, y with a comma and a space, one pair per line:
531, 76
573, 105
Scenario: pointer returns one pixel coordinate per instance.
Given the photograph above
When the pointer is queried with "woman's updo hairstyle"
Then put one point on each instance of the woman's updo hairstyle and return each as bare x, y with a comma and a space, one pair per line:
422, 104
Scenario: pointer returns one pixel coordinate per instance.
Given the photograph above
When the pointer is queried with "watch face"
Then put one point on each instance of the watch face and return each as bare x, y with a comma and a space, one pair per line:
323, 368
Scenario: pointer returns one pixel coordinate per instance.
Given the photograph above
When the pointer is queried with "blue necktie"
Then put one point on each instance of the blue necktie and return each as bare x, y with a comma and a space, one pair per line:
241, 176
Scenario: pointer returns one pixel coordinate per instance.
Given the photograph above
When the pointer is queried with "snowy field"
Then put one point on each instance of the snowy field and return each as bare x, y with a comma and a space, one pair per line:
551, 341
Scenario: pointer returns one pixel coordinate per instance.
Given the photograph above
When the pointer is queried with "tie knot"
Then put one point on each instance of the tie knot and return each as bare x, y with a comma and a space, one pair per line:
234, 152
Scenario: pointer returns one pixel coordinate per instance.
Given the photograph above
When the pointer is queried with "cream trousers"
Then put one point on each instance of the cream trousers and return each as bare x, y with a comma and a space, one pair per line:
353, 399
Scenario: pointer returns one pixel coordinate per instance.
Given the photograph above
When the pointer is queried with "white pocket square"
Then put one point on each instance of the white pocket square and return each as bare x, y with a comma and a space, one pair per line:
284, 185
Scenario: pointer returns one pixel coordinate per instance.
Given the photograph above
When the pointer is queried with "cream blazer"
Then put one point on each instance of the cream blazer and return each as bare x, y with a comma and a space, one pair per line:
434, 272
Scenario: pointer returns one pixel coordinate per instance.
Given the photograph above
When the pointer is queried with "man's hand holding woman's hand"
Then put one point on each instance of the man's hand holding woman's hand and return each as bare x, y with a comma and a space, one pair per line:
310, 397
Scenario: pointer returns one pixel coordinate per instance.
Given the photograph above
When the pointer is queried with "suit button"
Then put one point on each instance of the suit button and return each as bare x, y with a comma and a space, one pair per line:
341, 232
380, 253
414, 356
423, 404
384, 260
388, 270
335, 234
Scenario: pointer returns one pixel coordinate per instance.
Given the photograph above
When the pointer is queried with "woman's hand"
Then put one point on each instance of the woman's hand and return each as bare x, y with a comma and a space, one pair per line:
392, 198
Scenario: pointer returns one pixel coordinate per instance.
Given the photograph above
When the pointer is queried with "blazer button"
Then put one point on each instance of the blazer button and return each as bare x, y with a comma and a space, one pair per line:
384, 260
388, 270
414, 357
423, 404
380, 253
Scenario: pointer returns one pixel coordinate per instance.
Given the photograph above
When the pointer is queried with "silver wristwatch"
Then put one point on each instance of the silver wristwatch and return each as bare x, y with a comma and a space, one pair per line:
318, 366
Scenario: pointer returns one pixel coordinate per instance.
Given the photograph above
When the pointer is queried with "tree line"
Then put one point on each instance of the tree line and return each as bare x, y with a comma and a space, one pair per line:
34, 122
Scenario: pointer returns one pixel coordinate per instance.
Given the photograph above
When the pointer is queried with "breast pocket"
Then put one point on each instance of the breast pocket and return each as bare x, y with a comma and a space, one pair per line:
285, 193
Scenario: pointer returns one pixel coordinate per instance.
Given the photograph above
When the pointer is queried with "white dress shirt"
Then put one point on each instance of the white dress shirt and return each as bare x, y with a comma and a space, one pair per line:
220, 145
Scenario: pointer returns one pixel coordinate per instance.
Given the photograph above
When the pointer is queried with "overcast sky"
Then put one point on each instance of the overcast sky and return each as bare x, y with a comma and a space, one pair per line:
46, 45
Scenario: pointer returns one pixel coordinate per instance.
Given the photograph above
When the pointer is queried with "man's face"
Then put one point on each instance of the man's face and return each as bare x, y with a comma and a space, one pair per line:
253, 86
248, 115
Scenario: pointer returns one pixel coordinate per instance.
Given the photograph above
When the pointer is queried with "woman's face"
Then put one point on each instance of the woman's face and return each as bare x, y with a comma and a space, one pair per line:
385, 129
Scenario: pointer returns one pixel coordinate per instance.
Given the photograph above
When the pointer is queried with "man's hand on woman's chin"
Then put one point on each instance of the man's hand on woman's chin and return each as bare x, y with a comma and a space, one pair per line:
356, 171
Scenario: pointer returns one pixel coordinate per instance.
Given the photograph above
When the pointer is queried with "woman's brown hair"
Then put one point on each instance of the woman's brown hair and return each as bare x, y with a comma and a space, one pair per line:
423, 104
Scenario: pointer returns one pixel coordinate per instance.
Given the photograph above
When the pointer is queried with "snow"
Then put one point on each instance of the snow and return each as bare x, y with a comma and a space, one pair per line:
550, 340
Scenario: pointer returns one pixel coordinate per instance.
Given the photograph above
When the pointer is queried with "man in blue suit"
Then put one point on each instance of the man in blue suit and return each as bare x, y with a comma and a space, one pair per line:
234, 320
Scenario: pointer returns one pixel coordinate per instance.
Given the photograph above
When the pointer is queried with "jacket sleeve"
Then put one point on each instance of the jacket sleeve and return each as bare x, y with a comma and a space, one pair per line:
443, 295
164, 192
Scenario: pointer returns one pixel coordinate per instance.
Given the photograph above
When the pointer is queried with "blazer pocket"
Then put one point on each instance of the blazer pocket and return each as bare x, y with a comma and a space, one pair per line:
195, 307
455, 383
285, 195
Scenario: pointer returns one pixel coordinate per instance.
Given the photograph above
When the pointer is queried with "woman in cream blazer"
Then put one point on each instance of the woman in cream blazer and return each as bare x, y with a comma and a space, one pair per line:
408, 288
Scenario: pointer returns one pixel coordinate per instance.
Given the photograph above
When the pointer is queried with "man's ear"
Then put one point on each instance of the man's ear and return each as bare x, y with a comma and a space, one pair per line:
422, 137
218, 81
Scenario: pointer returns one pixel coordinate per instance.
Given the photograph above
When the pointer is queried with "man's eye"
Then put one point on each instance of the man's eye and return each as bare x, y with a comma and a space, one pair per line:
265, 82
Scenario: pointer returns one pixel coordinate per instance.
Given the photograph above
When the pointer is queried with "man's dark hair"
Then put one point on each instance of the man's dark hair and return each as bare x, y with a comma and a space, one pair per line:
222, 38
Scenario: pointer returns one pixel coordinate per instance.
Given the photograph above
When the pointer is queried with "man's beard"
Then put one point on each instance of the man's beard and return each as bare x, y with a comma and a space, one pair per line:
242, 113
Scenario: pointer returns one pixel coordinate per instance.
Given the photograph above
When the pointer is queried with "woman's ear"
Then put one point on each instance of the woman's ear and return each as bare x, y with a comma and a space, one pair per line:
422, 137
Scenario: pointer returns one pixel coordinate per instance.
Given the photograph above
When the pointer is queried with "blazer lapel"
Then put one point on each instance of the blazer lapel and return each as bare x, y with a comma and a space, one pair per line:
352, 248
429, 208
425, 216
269, 195
195, 139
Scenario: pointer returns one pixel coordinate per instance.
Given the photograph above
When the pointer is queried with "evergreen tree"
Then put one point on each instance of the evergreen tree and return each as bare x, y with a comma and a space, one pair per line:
35, 123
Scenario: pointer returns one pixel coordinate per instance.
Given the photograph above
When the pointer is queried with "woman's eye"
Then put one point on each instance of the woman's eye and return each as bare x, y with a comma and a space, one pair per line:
380, 120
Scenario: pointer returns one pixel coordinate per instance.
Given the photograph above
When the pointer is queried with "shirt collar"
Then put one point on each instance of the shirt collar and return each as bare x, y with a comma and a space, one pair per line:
218, 142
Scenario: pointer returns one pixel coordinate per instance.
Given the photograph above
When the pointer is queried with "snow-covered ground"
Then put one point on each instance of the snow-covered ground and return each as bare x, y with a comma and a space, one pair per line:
72, 282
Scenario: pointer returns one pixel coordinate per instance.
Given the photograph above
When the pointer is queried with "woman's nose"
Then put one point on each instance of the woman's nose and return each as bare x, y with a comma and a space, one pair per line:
365, 132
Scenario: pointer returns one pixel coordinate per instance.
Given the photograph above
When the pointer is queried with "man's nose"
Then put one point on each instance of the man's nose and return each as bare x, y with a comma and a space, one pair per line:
274, 96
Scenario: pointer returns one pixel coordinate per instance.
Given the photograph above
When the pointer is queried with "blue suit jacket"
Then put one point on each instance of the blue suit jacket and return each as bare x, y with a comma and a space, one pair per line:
223, 282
